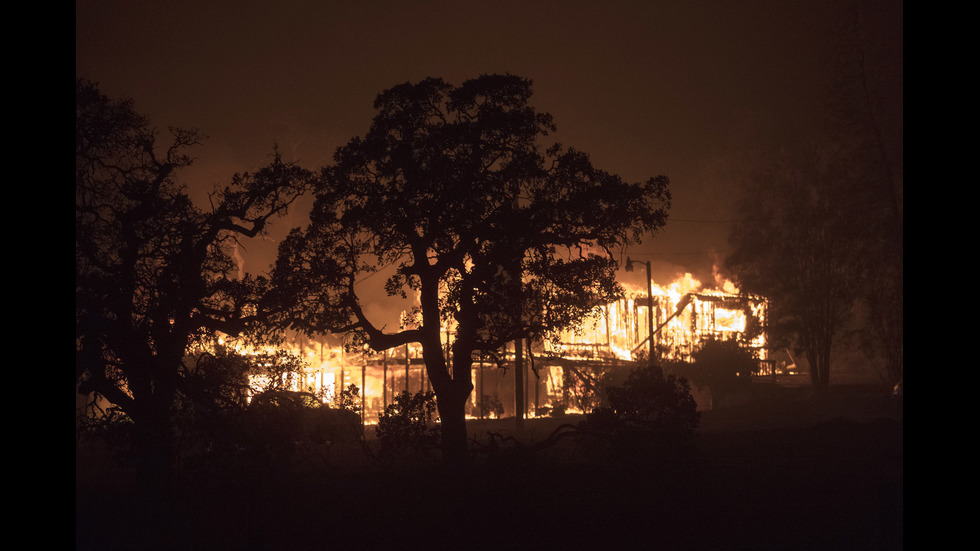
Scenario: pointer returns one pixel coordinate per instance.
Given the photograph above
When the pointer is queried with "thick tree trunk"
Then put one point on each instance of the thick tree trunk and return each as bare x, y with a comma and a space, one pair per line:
814, 370
819, 360
451, 395
452, 412
452, 407
155, 451
152, 413
825, 371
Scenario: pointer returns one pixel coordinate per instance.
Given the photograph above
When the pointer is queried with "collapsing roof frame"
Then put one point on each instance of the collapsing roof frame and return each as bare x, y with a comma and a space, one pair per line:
677, 338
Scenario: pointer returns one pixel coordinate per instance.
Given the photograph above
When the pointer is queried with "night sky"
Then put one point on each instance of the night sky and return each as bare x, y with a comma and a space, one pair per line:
685, 89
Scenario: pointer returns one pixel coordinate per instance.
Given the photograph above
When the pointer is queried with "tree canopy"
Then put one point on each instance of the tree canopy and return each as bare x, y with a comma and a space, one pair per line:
498, 236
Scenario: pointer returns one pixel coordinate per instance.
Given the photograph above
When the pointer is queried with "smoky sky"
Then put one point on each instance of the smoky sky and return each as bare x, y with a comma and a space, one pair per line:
685, 89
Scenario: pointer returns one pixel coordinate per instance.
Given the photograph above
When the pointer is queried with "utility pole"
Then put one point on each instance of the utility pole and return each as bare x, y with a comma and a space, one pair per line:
519, 381
629, 268
363, 393
384, 379
517, 275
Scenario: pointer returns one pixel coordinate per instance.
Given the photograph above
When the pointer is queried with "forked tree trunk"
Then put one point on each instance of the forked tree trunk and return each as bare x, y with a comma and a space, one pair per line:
451, 395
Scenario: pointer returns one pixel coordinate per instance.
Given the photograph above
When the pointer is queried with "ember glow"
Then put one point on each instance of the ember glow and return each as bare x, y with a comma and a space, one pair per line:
558, 370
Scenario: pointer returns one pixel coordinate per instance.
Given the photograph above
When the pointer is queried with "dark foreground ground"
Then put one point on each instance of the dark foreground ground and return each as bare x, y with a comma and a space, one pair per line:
780, 469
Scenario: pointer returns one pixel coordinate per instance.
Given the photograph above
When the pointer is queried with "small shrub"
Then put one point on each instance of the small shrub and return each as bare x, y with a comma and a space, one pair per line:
555, 409
491, 407
281, 426
649, 414
406, 428
724, 367
275, 422
586, 386
349, 399
652, 401
110, 428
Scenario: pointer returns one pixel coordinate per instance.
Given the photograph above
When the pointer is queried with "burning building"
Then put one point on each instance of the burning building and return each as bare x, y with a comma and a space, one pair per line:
564, 372
683, 315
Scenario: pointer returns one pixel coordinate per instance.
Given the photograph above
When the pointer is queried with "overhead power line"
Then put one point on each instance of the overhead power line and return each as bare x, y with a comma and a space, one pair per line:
694, 221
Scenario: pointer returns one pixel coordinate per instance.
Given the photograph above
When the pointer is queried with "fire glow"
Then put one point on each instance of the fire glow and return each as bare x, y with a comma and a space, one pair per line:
685, 315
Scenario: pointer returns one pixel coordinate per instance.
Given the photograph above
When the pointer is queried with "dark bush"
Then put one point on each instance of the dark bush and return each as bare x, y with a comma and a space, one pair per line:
406, 428
723, 367
650, 400
649, 414
110, 429
491, 407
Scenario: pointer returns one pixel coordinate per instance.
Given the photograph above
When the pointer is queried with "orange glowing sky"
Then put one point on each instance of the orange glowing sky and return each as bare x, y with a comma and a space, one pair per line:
686, 89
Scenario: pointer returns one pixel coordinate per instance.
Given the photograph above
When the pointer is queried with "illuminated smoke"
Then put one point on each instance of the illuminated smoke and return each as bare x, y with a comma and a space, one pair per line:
239, 261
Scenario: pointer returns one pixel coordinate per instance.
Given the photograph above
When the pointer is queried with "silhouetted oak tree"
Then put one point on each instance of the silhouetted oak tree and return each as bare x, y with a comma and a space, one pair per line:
153, 272
496, 235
